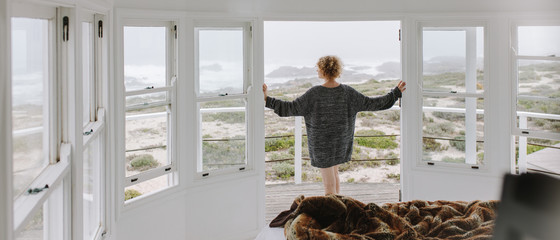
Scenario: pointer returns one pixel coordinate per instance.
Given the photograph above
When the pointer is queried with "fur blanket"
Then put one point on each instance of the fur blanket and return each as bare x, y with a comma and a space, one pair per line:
339, 217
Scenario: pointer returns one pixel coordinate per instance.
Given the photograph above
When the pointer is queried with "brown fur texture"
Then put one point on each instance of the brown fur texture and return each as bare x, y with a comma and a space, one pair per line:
342, 218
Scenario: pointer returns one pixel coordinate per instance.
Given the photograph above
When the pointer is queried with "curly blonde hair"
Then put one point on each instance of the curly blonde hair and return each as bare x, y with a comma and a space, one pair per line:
331, 66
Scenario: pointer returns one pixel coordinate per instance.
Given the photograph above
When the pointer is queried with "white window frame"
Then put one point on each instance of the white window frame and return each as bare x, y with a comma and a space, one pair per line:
198, 172
26, 206
170, 88
454, 25
520, 129
95, 129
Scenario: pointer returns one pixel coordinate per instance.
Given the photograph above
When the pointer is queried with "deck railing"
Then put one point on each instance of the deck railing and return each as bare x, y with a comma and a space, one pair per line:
298, 134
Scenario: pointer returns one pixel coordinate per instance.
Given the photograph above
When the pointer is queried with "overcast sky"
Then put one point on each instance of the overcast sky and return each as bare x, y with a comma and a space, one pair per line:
302, 43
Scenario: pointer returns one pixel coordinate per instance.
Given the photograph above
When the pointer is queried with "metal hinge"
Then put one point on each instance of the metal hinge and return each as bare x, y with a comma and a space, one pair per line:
175, 30
399, 35
100, 28
251, 30
65, 28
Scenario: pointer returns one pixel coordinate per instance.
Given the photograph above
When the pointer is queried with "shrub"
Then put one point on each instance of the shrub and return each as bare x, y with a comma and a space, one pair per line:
459, 144
227, 117
449, 116
350, 180
439, 129
143, 162
275, 144
130, 194
284, 170
281, 155
394, 176
376, 142
431, 145
223, 152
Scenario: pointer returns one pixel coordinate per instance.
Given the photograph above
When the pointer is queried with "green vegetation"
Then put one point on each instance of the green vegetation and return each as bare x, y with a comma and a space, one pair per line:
284, 170
142, 162
431, 145
130, 194
449, 116
439, 129
394, 176
533, 148
459, 144
280, 155
223, 153
375, 142
225, 117
275, 144
439, 81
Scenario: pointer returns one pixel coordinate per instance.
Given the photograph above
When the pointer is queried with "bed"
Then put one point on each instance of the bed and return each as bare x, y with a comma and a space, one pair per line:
340, 217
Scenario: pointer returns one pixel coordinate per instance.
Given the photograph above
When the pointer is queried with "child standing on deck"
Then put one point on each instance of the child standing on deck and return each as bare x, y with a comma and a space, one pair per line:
330, 112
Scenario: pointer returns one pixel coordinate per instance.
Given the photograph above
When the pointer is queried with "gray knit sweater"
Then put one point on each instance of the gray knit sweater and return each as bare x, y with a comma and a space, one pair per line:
330, 117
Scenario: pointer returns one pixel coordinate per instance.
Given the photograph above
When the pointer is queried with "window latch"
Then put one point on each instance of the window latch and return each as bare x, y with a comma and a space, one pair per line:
34, 191
88, 132
65, 30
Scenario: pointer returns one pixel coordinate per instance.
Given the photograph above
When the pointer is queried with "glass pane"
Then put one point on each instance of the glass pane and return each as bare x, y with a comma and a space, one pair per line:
453, 59
145, 99
224, 134
92, 184
540, 155
539, 78
30, 98
147, 187
539, 41
34, 230
220, 56
144, 57
146, 141
452, 130
87, 70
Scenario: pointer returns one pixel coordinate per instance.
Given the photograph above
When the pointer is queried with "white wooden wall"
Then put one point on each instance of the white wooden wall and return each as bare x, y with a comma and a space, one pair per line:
233, 207
6, 201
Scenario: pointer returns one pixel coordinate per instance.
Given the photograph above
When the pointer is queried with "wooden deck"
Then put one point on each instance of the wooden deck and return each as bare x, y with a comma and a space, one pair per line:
545, 161
279, 197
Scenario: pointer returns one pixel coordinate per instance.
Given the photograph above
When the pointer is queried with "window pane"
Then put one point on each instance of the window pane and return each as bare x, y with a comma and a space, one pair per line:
452, 130
539, 40
147, 187
144, 57
145, 99
34, 228
146, 141
220, 56
224, 133
539, 78
30, 98
92, 184
453, 59
87, 70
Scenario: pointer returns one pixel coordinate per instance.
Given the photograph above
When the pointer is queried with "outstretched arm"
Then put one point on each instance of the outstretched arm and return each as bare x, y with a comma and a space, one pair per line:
381, 102
284, 108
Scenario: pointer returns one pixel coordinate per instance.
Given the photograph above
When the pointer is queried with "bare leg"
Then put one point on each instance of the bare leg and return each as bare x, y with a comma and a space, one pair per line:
337, 178
330, 180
